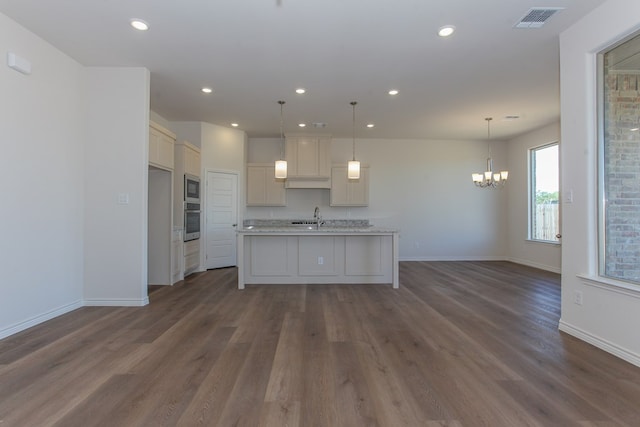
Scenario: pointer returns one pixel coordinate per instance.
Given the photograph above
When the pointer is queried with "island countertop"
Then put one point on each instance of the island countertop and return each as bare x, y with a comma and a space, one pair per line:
301, 226
312, 229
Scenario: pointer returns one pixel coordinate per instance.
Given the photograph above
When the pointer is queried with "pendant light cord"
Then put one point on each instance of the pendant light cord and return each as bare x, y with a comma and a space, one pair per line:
488, 119
281, 130
353, 104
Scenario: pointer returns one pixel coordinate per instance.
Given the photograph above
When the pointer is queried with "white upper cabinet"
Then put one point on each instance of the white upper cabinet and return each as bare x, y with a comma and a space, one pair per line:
308, 161
263, 189
188, 156
349, 192
161, 145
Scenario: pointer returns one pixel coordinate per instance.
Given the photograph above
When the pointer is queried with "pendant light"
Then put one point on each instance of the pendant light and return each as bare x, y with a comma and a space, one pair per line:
353, 167
281, 165
489, 179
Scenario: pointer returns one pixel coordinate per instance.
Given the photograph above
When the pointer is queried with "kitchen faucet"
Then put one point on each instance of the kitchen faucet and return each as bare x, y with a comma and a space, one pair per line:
317, 218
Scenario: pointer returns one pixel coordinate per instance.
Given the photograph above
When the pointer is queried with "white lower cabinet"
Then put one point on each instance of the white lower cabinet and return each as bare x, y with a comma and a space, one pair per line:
191, 256
318, 258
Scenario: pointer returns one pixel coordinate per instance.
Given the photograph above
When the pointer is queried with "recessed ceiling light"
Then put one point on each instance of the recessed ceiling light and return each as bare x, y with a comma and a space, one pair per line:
370, 125
446, 31
139, 24
207, 90
393, 92
235, 125
300, 90
302, 125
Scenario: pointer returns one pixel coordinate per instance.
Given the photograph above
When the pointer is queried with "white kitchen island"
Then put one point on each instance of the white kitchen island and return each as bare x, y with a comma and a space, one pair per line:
310, 255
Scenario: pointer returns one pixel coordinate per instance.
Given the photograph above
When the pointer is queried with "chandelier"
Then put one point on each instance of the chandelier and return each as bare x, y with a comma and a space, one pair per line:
489, 179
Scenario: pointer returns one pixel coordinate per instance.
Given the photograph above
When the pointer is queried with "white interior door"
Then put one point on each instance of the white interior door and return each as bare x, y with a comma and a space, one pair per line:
221, 218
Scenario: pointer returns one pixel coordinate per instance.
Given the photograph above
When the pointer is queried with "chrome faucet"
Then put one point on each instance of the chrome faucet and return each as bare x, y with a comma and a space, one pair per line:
317, 218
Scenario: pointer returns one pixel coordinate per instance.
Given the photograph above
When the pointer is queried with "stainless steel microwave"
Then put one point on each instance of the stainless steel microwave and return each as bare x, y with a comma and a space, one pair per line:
191, 189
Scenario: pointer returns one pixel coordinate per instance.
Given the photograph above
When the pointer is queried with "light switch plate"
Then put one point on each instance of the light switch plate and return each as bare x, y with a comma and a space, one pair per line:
123, 198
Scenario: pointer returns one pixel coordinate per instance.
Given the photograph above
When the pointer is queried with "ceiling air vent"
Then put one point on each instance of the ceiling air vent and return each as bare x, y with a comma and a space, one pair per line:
537, 16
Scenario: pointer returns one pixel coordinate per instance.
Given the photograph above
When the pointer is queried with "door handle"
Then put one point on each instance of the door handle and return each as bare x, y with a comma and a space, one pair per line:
558, 236
234, 225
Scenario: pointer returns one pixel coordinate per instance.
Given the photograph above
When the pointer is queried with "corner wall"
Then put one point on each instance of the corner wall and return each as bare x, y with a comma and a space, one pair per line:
116, 159
610, 313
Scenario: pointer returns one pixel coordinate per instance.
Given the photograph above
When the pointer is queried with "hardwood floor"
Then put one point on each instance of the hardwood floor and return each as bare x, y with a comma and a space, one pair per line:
459, 344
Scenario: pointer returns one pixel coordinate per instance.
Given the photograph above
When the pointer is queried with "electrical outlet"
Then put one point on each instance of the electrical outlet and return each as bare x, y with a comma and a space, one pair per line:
577, 297
320, 260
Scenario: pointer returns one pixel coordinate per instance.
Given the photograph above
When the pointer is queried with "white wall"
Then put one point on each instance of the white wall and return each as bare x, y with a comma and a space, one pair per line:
187, 131
116, 163
422, 187
610, 314
546, 256
41, 182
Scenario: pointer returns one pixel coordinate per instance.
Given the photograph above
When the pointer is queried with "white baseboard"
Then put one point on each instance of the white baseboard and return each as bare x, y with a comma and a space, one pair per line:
535, 265
602, 344
19, 327
455, 258
99, 302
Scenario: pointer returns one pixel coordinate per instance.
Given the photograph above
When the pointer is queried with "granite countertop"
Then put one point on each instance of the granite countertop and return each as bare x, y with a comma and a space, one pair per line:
293, 226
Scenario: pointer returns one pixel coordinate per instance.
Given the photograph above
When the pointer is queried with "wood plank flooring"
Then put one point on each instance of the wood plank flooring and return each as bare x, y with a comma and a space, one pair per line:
459, 344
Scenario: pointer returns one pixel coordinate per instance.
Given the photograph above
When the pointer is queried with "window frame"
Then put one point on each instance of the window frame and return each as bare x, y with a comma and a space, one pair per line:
601, 220
531, 193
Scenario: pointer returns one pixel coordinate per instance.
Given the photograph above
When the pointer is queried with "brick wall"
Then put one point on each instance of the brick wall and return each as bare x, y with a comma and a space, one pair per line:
622, 176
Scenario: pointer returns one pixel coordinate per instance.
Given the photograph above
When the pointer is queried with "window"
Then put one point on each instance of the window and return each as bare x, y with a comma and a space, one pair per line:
619, 162
544, 222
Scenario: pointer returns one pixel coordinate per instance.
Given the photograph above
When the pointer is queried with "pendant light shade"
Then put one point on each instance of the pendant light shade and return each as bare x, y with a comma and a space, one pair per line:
281, 165
281, 169
353, 167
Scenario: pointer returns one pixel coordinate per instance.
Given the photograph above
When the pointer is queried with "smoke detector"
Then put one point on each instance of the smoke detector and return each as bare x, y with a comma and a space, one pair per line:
536, 17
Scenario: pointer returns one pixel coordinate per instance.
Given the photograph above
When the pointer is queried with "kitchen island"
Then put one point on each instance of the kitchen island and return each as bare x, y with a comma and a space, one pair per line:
338, 252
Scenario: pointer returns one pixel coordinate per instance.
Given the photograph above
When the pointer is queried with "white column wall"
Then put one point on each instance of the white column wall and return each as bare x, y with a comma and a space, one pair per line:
609, 315
116, 159
41, 182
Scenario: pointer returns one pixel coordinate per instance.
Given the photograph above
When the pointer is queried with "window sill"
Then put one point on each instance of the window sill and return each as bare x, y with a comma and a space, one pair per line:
544, 242
618, 286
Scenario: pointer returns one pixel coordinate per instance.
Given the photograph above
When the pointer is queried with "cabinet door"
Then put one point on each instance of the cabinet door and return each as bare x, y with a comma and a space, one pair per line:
165, 151
154, 142
191, 161
349, 192
191, 256
324, 157
262, 187
308, 157
161, 147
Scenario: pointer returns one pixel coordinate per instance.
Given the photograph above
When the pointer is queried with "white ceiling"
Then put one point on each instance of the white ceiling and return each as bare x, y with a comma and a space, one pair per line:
255, 52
